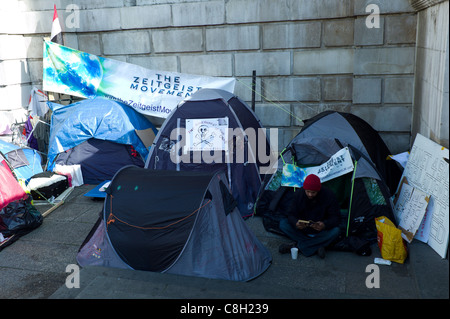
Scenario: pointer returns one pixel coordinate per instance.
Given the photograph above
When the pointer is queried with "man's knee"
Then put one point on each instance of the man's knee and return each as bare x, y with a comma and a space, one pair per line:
284, 224
334, 232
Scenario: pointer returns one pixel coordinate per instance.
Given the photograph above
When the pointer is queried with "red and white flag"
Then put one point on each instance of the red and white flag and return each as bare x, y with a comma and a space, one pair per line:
56, 35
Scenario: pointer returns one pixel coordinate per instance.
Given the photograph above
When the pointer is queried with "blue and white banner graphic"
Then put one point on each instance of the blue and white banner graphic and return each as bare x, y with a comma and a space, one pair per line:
149, 92
339, 164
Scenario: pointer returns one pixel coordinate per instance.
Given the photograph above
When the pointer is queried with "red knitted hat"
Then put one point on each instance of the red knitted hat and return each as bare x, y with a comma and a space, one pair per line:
312, 183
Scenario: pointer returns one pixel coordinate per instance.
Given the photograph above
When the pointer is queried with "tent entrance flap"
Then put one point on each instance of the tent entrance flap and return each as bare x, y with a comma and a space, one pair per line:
175, 222
162, 226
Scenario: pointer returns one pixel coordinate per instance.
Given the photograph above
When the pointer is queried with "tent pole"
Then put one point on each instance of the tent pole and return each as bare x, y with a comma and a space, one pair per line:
253, 89
52, 209
351, 198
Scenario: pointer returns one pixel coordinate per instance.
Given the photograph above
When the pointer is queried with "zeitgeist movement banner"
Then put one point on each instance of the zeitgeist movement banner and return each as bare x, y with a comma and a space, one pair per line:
150, 92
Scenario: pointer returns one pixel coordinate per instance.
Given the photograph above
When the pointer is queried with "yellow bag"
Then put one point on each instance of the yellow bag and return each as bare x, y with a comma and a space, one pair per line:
390, 241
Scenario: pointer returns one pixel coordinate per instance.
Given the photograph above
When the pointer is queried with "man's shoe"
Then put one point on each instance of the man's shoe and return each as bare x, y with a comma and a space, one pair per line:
286, 248
321, 252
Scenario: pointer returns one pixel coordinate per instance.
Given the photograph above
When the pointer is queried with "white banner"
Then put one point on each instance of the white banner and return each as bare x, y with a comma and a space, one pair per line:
339, 164
149, 92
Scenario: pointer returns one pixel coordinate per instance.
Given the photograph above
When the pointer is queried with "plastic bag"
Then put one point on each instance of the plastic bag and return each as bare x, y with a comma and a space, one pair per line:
390, 241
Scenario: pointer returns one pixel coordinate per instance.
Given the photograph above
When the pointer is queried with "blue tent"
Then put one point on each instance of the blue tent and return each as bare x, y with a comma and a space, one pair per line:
82, 131
24, 161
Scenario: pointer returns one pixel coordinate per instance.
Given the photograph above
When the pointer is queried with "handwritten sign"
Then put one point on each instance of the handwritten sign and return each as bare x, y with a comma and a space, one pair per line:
410, 207
427, 170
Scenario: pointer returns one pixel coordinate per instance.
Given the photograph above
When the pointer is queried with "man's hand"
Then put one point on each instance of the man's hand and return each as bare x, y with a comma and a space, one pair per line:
319, 226
301, 225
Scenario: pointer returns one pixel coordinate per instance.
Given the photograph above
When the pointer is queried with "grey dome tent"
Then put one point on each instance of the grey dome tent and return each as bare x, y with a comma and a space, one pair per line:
356, 132
182, 222
363, 194
236, 156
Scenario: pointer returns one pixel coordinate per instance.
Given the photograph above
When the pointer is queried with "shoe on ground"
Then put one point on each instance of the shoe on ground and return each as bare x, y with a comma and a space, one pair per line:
321, 252
286, 248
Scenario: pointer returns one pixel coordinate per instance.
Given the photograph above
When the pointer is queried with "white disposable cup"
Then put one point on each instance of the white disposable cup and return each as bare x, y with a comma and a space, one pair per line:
294, 252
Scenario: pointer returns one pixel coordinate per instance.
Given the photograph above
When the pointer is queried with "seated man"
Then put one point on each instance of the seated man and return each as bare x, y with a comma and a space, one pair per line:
312, 220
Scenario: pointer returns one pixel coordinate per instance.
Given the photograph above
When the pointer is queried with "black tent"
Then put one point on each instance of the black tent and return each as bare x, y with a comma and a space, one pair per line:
361, 198
175, 222
353, 130
210, 131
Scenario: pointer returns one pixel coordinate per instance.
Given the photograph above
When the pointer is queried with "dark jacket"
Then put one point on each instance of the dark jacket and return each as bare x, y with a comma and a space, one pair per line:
324, 207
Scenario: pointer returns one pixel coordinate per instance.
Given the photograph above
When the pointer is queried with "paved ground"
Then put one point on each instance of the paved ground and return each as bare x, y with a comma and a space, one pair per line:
35, 267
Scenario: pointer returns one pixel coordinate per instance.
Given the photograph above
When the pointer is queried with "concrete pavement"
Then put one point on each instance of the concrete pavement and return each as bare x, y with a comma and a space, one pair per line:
35, 267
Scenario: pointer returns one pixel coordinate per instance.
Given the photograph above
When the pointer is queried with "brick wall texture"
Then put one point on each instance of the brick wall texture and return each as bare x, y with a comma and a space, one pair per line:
309, 56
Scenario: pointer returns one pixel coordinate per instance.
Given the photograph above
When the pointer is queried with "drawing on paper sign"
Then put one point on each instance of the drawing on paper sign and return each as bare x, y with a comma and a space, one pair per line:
410, 207
427, 170
207, 134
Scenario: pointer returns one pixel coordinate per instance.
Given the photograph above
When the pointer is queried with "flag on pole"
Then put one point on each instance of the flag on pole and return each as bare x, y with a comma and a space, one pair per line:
56, 35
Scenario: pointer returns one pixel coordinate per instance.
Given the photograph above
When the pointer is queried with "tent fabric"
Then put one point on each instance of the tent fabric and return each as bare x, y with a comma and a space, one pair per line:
10, 190
98, 191
354, 131
17, 215
322, 137
98, 134
174, 222
25, 161
95, 119
109, 158
243, 175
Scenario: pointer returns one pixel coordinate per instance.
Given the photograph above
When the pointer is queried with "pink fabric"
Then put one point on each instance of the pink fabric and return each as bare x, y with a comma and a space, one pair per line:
10, 189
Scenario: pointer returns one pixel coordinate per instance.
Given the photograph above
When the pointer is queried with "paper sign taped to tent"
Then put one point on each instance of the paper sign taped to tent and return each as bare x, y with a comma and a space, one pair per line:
339, 164
427, 169
149, 92
410, 207
207, 134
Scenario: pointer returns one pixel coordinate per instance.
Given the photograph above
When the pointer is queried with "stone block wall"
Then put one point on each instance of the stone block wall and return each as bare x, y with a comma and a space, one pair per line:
309, 56
431, 101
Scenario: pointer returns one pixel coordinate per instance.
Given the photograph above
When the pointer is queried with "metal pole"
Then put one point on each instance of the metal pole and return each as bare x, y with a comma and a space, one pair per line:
253, 89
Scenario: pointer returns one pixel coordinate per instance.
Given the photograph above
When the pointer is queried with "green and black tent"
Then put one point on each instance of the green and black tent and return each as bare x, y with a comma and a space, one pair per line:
363, 194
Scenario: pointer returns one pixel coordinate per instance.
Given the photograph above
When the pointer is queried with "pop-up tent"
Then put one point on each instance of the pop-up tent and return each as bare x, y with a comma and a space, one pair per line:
363, 194
174, 222
210, 131
98, 134
24, 161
